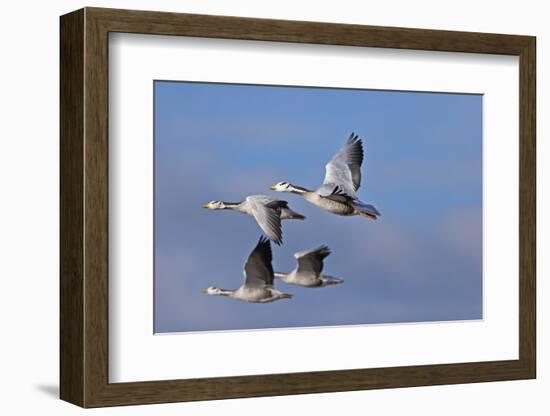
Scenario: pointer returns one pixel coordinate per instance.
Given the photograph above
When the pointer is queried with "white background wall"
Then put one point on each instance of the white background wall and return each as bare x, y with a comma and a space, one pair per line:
29, 205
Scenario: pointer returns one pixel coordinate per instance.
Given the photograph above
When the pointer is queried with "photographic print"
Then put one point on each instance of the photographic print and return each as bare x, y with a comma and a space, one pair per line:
296, 207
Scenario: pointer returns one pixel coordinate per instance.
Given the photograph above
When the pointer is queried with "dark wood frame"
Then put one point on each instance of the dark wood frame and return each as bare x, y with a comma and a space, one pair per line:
84, 207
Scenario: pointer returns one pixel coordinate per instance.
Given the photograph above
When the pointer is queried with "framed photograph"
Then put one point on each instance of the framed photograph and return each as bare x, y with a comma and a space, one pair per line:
254, 207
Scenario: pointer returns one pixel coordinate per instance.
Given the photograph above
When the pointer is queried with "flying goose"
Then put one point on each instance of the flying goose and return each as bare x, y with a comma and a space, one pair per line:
337, 194
267, 212
308, 271
258, 278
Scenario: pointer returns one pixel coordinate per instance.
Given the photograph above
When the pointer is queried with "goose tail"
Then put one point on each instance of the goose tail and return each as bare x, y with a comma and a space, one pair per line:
366, 210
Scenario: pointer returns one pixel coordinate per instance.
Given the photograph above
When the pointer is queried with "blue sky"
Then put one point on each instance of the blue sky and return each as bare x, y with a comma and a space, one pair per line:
421, 261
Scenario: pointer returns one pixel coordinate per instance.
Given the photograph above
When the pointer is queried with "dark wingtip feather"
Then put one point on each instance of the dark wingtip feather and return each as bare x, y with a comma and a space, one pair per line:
264, 244
323, 251
354, 138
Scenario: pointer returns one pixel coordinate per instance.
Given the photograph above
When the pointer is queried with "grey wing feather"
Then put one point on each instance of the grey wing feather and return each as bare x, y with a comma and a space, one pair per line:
264, 199
268, 217
335, 192
344, 169
258, 270
312, 261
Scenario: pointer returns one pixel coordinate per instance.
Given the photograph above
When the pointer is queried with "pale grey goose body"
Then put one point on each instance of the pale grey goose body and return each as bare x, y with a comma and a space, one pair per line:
267, 212
337, 194
309, 269
258, 278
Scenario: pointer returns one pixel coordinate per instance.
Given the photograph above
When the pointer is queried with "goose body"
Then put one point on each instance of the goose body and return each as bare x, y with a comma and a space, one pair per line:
337, 194
258, 278
268, 213
332, 205
308, 271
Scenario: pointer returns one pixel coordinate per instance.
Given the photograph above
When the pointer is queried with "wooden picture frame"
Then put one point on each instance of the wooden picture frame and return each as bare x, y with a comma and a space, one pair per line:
84, 207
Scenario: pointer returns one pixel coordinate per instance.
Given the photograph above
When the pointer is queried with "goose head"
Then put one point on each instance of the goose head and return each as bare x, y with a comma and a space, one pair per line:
288, 187
214, 205
212, 290
282, 187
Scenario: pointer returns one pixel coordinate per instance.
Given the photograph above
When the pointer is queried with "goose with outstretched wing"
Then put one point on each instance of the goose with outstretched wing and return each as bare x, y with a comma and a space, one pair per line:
338, 192
267, 212
308, 272
258, 278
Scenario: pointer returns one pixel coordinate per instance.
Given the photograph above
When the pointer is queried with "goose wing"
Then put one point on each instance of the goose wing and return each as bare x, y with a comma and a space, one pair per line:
343, 172
258, 271
266, 212
311, 261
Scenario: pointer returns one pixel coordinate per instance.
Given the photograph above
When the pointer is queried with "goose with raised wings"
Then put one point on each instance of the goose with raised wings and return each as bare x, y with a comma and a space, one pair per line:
308, 273
258, 278
338, 194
